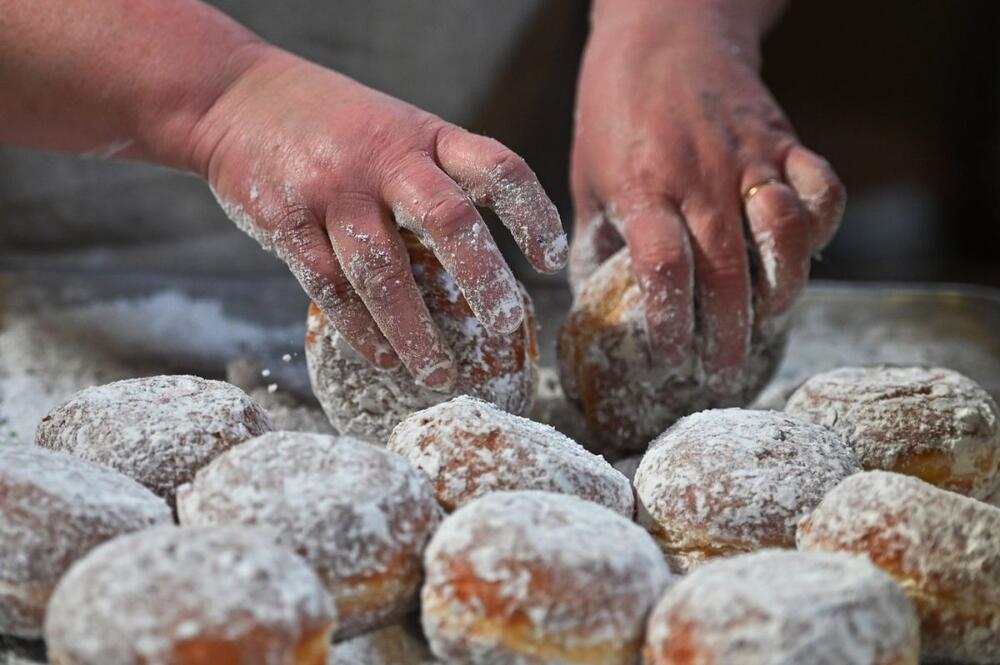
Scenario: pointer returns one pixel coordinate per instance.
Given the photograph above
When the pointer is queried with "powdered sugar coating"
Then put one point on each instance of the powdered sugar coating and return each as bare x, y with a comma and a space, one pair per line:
628, 397
527, 577
151, 594
942, 547
784, 608
468, 448
363, 401
729, 481
54, 508
158, 430
933, 423
358, 513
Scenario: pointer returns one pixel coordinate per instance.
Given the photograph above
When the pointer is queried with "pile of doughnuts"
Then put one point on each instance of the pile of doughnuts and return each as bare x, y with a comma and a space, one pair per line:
160, 521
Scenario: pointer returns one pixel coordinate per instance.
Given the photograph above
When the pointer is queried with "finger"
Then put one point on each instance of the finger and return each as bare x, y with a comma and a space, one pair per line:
595, 240
779, 235
820, 191
722, 277
376, 263
305, 247
664, 268
498, 179
429, 203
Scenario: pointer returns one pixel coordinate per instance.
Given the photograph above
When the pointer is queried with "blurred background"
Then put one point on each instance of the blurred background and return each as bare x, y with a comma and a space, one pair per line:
902, 98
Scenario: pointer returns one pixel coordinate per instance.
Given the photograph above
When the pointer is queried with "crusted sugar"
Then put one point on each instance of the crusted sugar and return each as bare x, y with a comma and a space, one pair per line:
469, 448
146, 591
736, 478
56, 508
352, 509
603, 574
887, 413
157, 430
788, 607
943, 547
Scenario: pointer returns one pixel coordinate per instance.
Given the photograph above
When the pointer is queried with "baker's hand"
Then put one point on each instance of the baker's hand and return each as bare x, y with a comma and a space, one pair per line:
681, 152
323, 171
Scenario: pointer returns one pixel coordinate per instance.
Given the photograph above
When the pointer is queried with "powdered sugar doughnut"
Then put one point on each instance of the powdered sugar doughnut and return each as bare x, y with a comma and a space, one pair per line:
190, 597
783, 608
358, 513
606, 366
529, 578
468, 448
393, 645
932, 423
730, 481
157, 430
54, 508
943, 548
363, 401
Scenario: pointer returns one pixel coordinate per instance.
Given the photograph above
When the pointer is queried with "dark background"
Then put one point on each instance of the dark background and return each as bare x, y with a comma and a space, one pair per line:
902, 98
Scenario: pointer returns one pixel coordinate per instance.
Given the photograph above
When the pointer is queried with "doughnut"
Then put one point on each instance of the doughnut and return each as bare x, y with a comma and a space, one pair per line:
54, 508
358, 513
730, 481
393, 645
627, 396
181, 596
931, 423
531, 578
157, 430
780, 607
942, 547
363, 401
468, 448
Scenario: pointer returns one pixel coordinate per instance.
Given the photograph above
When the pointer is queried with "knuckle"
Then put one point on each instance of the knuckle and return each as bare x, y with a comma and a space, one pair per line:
509, 167
661, 257
779, 207
379, 275
449, 215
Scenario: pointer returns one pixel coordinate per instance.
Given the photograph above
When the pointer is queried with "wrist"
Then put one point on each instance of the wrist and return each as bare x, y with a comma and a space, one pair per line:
736, 26
172, 108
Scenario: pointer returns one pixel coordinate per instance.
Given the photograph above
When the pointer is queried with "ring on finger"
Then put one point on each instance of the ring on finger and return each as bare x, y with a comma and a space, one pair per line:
752, 191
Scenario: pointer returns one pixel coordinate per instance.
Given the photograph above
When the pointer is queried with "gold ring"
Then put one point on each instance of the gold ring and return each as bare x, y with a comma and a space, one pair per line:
750, 193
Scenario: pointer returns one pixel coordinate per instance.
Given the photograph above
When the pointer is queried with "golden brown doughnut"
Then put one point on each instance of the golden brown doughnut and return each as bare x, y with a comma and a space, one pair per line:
54, 508
784, 608
626, 395
157, 430
468, 448
358, 513
942, 547
730, 481
363, 401
932, 423
532, 578
180, 596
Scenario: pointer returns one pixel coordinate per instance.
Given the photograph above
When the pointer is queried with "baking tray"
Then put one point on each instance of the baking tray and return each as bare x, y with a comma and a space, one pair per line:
60, 332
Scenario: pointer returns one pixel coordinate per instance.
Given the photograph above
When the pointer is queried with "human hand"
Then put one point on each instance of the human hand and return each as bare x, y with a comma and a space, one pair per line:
681, 152
323, 171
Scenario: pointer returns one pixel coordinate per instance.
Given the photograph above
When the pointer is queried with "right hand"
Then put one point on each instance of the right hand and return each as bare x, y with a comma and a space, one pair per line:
321, 170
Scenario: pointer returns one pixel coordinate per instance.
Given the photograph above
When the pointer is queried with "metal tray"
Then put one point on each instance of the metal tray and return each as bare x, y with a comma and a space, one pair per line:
60, 332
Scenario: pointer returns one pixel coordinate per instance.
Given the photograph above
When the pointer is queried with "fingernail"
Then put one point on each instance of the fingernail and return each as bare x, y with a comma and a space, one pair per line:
556, 253
508, 320
441, 379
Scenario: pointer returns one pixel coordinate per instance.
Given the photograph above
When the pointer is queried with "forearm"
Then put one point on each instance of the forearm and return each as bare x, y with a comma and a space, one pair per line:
129, 77
742, 23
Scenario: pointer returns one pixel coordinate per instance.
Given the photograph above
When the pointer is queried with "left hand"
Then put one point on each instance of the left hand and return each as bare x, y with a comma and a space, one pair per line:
681, 153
